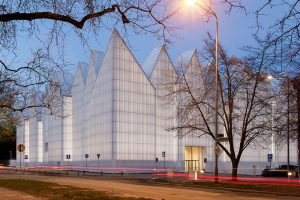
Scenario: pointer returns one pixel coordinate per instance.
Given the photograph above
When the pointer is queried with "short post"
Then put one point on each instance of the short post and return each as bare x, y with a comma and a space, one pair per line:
86, 157
164, 156
156, 161
20, 148
68, 157
20, 159
98, 156
270, 159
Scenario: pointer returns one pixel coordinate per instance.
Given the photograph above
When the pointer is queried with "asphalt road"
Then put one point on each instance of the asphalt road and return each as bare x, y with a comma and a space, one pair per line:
126, 188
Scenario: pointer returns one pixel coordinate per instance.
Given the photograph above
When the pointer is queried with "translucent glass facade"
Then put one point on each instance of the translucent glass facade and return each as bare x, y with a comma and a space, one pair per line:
164, 77
113, 108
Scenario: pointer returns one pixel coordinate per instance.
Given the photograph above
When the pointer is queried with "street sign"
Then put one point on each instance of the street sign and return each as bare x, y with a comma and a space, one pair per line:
86, 155
163, 154
68, 156
98, 155
21, 148
270, 157
217, 150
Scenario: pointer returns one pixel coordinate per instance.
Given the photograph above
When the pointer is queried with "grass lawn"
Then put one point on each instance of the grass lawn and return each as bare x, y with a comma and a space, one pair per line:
55, 191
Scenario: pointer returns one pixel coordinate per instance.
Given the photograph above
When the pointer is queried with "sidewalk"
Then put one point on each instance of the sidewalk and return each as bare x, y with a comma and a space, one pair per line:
14, 195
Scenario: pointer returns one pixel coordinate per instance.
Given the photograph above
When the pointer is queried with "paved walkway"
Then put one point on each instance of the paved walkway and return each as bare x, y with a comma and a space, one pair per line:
6, 194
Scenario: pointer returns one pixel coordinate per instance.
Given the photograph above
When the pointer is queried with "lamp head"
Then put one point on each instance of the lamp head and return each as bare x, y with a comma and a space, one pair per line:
269, 77
190, 2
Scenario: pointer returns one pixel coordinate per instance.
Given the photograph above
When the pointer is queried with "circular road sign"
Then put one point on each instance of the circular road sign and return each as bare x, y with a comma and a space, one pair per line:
21, 148
217, 150
86, 155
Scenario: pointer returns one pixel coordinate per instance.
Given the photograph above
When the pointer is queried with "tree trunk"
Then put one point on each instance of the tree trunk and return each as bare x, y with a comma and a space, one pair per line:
235, 165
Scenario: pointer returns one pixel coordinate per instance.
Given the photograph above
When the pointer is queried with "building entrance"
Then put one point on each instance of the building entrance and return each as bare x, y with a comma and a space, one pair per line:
193, 158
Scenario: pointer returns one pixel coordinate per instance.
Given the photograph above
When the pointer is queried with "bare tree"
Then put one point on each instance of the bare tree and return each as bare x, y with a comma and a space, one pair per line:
283, 36
244, 111
31, 19
285, 113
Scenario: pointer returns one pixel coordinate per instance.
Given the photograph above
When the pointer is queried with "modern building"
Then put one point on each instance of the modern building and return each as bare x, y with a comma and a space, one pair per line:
114, 114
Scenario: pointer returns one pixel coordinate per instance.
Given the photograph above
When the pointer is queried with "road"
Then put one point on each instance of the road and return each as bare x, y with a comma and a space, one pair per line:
125, 188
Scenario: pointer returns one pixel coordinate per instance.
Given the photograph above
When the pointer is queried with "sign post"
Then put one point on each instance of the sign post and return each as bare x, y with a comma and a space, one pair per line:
86, 157
270, 158
68, 157
98, 156
156, 161
21, 148
164, 156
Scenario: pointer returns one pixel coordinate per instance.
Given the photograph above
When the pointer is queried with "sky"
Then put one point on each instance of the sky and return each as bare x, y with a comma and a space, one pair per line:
235, 31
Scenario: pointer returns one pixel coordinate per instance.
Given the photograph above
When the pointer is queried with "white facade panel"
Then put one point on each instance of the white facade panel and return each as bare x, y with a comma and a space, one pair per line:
117, 111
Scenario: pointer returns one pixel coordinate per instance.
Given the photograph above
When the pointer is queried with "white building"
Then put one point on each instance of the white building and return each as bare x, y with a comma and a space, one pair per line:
115, 109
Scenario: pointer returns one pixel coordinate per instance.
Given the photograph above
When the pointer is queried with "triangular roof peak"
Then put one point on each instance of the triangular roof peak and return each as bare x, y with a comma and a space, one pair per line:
115, 41
151, 60
185, 58
96, 58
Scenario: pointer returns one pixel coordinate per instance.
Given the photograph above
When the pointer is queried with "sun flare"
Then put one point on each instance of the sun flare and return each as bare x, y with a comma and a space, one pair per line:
190, 2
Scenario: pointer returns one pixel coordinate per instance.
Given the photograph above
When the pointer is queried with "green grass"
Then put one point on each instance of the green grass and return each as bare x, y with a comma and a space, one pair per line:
55, 191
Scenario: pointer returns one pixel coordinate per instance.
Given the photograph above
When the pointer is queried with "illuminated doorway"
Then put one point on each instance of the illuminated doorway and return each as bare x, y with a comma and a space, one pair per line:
193, 158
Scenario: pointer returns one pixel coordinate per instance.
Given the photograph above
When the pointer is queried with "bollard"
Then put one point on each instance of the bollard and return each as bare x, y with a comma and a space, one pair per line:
196, 176
122, 172
77, 173
101, 173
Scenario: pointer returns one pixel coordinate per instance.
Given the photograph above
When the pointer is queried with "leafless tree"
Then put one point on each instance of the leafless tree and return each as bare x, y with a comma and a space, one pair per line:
285, 113
244, 111
49, 23
283, 36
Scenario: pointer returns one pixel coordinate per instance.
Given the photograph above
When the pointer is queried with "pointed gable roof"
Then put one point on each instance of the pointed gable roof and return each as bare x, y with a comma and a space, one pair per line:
65, 81
183, 61
116, 40
96, 59
184, 58
80, 74
151, 60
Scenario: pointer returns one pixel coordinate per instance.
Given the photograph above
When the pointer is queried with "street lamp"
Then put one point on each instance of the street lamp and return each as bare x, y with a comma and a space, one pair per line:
286, 76
208, 9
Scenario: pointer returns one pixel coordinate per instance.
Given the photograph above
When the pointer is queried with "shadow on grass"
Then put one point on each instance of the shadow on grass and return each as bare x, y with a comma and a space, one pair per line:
55, 191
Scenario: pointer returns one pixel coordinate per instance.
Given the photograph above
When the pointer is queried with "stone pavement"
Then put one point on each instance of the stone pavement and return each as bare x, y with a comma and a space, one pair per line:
6, 194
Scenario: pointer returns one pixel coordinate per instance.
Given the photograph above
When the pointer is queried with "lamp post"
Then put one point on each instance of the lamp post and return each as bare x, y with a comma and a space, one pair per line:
286, 76
213, 13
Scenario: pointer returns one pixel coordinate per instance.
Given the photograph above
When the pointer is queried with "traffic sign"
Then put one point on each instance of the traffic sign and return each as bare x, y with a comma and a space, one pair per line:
21, 148
163, 154
26, 157
270, 157
86, 155
68, 156
98, 155
217, 150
